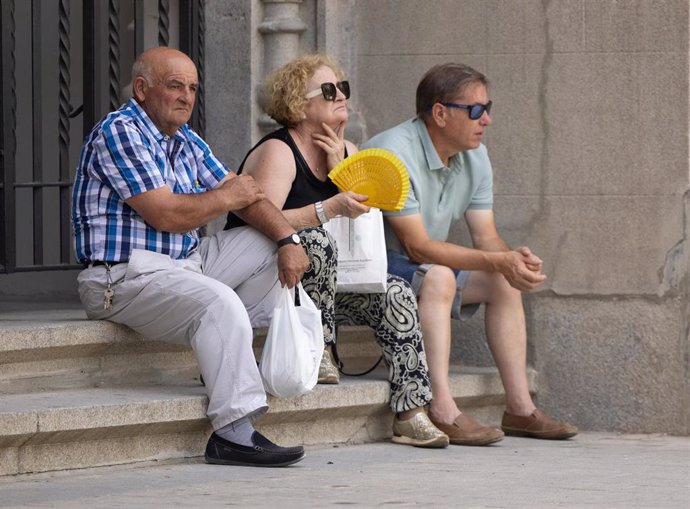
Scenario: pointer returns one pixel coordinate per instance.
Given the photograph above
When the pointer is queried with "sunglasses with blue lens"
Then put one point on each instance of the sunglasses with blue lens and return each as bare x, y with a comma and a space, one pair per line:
329, 90
475, 110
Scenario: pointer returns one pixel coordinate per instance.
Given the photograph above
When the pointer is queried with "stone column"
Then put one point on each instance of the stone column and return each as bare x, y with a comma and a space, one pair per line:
280, 30
229, 98
336, 35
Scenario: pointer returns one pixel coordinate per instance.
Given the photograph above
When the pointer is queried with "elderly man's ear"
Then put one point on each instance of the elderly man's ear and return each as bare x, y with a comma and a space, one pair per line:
139, 88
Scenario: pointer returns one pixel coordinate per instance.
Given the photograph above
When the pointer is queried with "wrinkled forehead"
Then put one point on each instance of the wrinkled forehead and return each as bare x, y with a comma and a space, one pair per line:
177, 67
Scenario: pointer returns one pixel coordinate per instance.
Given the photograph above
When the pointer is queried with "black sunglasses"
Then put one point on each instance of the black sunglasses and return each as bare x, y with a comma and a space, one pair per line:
476, 110
329, 90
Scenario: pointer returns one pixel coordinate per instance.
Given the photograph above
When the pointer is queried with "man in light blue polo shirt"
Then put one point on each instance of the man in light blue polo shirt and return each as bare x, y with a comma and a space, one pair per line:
451, 179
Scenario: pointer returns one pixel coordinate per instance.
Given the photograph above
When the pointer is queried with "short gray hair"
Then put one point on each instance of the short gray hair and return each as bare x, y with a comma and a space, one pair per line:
142, 67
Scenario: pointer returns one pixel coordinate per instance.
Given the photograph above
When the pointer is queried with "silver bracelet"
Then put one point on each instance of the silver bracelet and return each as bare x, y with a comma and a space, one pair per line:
320, 212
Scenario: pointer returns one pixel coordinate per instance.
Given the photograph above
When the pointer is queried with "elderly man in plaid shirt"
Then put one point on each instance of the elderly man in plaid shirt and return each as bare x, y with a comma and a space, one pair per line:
144, 185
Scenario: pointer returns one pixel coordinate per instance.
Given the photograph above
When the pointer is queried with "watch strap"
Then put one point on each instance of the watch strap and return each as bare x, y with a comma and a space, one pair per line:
320, 212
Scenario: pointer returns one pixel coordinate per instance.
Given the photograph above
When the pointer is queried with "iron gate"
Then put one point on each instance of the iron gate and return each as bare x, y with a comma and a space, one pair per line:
64, 65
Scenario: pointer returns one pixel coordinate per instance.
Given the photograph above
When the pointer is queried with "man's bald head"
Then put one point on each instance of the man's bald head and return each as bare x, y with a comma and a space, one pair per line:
153, 62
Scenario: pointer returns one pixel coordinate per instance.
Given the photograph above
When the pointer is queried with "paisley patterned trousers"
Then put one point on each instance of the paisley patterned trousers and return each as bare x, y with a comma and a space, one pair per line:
392, 315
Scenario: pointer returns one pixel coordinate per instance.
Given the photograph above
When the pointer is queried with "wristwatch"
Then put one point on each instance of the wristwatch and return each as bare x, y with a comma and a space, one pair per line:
290, 239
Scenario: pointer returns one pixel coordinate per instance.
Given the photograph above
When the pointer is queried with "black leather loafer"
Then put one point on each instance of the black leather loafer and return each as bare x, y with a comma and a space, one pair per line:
264, 453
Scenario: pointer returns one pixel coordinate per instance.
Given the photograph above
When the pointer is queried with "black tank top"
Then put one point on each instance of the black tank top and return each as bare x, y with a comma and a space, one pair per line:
306, 188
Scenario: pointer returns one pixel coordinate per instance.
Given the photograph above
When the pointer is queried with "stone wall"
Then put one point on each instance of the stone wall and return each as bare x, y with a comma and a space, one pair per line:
589, 144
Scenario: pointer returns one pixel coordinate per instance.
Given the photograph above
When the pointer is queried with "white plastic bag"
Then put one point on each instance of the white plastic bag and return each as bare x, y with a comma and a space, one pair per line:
294, 345
362, 260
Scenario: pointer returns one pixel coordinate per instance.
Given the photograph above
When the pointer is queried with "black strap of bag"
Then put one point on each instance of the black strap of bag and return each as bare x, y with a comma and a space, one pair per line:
341, 366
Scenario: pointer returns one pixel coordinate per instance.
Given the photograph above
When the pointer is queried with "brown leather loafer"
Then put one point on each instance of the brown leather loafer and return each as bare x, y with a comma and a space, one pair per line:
537, 425
466, 431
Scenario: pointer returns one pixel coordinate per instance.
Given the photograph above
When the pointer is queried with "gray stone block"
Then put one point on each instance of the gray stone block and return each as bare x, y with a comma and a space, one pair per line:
604, 245
613, 364
520, 27
395, 27
602, 131
636, 25
586, 124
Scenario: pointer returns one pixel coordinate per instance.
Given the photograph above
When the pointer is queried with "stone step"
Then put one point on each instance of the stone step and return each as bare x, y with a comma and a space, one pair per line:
76, 428
77, 393
71, 352
63, 350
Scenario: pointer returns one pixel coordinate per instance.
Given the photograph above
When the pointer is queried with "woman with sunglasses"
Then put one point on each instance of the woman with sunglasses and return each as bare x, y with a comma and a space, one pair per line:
308, 97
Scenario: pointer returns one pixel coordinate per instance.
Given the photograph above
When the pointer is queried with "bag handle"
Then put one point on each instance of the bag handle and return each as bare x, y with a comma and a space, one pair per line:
341, 366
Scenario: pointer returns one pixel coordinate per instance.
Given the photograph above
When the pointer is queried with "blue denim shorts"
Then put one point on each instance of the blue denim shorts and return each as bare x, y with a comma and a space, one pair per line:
400, 265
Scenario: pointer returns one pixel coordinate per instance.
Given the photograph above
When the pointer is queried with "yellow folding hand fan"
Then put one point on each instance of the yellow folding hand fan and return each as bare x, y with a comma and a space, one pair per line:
377, 173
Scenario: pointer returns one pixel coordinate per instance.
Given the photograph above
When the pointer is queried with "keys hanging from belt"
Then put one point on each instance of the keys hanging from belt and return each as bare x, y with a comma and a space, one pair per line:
108, 293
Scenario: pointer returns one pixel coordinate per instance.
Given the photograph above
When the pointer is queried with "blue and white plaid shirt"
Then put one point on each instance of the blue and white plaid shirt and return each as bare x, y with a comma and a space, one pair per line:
123, 156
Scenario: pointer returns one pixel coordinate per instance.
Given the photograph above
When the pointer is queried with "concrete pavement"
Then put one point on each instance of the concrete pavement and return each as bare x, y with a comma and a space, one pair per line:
591, 470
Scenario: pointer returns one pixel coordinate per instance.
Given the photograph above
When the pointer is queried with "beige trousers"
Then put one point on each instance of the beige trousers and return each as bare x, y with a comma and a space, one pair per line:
209, 301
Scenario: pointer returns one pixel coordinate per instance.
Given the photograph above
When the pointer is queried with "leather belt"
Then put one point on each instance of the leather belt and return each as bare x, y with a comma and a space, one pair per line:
99, 262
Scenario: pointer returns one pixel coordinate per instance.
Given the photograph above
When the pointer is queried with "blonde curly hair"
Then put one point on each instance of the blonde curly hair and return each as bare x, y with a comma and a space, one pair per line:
286, 87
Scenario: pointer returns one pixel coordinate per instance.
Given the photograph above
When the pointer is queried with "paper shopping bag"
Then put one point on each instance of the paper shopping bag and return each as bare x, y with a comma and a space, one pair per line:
362, 261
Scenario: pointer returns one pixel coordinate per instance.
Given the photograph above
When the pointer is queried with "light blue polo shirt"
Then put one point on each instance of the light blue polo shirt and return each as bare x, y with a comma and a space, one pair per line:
441, 194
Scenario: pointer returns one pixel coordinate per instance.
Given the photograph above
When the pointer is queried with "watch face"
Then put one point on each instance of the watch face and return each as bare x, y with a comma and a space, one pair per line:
292, 239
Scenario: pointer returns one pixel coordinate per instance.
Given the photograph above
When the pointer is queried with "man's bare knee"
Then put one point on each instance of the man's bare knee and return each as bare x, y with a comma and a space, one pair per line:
439, 283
